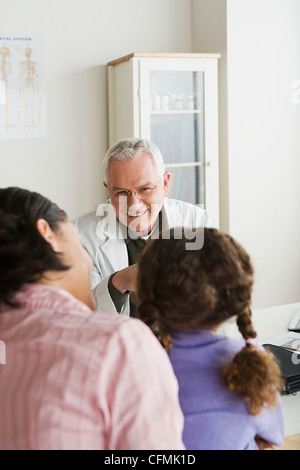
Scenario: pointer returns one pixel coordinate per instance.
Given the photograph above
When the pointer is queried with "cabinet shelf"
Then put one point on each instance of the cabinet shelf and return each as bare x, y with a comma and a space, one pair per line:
184, 165
176, 111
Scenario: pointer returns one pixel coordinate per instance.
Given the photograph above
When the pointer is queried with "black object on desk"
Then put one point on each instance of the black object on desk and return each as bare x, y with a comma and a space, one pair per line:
289, 363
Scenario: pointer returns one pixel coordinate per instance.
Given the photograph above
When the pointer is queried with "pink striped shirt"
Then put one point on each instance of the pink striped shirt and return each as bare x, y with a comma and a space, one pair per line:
76, 379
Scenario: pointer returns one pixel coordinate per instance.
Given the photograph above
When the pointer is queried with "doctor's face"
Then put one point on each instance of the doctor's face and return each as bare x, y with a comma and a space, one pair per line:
137, 192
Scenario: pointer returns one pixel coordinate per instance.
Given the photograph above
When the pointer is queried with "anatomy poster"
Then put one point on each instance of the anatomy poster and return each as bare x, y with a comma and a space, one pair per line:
22, 87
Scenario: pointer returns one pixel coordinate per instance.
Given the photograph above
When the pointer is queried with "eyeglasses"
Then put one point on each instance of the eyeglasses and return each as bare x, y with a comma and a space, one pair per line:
141, 193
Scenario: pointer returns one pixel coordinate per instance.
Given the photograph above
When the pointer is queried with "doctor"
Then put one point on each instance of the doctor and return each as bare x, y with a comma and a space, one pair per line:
115, 233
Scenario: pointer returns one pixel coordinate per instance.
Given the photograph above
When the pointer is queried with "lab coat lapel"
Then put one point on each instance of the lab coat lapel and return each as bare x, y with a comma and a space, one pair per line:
115, 252
113, 245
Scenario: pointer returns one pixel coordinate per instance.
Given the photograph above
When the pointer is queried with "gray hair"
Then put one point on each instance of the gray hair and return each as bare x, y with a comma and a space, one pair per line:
129, 148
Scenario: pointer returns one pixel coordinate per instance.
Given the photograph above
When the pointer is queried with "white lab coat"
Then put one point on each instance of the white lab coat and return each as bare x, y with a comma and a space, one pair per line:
101, 236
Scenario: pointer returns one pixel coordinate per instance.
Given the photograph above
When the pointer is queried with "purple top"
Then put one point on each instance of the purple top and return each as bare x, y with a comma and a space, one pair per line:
215, 417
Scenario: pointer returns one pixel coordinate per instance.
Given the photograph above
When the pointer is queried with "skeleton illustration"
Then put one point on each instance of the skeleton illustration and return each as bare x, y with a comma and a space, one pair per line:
28, 79
5, 68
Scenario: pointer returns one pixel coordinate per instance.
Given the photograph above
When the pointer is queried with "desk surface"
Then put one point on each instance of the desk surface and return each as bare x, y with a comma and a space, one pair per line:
269, 323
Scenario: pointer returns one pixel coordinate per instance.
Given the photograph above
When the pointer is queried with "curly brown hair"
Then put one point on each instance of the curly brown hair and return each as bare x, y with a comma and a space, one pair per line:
179, 288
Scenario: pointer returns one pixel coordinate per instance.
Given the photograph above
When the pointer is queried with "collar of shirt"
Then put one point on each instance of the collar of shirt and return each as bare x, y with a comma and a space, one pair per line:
46, 297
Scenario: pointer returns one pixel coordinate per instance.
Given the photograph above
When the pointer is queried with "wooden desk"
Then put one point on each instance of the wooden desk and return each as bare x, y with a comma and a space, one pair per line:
269, 323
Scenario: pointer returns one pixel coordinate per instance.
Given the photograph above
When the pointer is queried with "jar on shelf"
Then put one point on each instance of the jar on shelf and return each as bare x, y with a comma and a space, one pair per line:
190, 102
156, 103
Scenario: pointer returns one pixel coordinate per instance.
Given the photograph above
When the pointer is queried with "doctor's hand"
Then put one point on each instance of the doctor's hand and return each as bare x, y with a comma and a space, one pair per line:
125, 280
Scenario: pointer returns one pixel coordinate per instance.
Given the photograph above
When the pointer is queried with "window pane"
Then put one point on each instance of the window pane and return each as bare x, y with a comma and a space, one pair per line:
187, 184
177, 127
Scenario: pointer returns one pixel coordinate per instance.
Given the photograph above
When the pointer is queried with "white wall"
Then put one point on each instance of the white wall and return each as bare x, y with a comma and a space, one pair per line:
209, 34
262, 62
80, 38
264, 141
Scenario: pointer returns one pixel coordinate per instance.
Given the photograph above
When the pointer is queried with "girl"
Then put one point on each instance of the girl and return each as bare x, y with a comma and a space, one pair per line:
228, 388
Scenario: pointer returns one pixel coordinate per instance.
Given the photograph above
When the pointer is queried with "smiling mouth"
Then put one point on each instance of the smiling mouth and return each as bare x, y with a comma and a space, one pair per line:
138, 214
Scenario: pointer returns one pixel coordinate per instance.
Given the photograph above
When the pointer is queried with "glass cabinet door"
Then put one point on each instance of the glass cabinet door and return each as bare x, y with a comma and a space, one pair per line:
177, 127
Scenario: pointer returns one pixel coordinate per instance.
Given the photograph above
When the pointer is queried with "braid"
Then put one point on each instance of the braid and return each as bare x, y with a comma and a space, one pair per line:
253, 373
151, 314
245, 325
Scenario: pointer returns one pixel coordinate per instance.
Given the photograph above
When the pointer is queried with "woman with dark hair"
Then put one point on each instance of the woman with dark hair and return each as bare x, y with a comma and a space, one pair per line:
73, 378
228, 388
33, 231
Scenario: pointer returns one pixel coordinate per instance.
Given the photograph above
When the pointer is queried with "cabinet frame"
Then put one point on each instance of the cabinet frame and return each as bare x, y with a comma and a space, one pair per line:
129, 111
